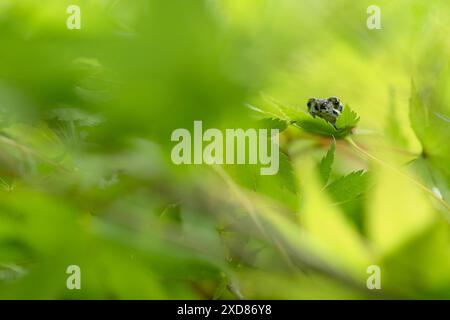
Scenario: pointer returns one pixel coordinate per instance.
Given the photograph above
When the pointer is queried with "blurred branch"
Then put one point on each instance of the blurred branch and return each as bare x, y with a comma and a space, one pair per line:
293, 256
29, 151
246, 203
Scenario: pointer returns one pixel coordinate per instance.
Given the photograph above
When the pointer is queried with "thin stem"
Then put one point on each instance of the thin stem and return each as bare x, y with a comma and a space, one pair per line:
235, 291
417, 183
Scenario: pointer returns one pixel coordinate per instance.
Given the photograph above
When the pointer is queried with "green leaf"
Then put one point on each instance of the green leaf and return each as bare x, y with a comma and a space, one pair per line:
430, 126
325, 164
398, 211
318, 126
431, 177
348, 187
423, 261
286, 112
333, 234
281, 186
75, 115
418, 114
393, 129
272, 123
281, 113
347, 120
343, 127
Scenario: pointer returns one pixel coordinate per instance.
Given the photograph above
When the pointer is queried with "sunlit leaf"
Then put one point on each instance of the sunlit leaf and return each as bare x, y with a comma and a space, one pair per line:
347, 120
326, 163
328, 228
398, 211
348, 187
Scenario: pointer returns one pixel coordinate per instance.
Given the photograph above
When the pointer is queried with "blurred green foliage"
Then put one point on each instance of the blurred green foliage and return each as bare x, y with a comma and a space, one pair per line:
85, 172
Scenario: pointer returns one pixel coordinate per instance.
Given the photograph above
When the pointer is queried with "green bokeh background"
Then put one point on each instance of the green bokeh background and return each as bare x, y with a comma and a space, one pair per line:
85, 123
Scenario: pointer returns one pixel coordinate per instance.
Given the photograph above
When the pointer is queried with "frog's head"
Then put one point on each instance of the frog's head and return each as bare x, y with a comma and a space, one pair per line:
328, 109
336, 105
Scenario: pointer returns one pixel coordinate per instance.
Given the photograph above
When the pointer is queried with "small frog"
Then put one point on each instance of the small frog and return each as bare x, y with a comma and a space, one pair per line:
328, 109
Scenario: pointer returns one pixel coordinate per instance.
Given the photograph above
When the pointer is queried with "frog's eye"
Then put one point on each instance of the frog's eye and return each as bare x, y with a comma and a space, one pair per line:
310, 102
334, 100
